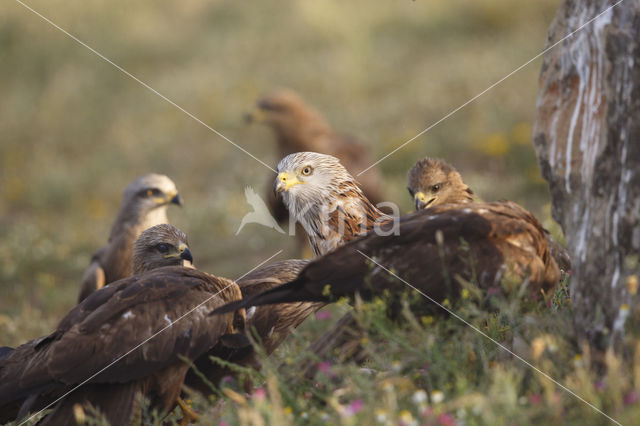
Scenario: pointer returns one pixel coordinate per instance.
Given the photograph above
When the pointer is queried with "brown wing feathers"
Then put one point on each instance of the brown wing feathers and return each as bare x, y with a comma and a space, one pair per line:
113, 321
90, 339
269, 324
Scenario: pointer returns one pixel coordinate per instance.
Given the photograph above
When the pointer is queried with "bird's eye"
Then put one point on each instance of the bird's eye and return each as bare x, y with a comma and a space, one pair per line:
435, 188
268, 106
163, 248
152, 192
307, 171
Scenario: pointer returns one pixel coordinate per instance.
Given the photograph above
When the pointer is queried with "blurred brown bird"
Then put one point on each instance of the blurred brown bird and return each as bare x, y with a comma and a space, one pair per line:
478, 242
144, 204
110, 323
299, 127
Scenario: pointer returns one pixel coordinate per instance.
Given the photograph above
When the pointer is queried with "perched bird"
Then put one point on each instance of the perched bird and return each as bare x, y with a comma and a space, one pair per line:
269, 325
432, 181
478, 242
124, 341
144, 204
299, 127
325, 199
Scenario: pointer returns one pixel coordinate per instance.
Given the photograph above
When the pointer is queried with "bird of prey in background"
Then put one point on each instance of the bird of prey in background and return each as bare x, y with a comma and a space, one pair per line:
433, 251
299, 127
144, 204
260, 214
110, 323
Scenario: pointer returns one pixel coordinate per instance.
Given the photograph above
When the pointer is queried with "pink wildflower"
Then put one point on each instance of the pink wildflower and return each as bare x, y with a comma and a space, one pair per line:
323, 315
446, 419
353, 408
631, 398
259, 394
535, 399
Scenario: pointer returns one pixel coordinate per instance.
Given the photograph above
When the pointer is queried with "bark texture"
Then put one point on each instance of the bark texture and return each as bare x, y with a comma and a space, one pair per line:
587, 139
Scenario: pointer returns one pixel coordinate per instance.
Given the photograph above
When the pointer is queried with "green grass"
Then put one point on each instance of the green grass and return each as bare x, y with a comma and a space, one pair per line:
431, 369
74, 131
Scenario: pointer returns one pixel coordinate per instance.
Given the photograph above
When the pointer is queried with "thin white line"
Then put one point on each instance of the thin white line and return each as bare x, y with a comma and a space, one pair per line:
147, 339
496, 342
490, 87
128, 74
259, 265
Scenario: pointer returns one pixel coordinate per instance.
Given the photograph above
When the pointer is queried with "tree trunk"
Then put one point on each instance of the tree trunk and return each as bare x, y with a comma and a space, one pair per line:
587, 139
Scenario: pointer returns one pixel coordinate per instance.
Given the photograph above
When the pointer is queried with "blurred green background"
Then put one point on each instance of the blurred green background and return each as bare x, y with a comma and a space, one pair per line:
74, 130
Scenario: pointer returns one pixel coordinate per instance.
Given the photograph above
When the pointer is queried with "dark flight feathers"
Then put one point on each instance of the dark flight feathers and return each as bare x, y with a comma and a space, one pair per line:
481, 242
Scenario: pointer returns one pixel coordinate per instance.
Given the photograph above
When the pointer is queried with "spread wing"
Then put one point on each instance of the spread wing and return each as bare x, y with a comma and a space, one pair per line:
253, 198
256, 202
113, 321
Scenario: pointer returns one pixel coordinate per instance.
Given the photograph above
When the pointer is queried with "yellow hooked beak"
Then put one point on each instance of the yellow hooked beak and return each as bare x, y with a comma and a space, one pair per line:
173, 198
183, 253
284, 181
421, 200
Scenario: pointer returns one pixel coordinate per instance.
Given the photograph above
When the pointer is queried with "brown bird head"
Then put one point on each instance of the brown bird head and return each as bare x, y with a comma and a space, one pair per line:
158, 246
432, 181
294, 122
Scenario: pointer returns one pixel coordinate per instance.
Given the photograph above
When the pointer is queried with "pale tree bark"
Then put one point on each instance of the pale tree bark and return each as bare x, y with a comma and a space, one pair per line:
587, 138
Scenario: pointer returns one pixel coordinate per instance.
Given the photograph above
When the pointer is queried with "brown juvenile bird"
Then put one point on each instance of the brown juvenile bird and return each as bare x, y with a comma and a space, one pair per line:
151, 320
299, 127
158, 246
269, 325
433, 181
144, 204
480, 242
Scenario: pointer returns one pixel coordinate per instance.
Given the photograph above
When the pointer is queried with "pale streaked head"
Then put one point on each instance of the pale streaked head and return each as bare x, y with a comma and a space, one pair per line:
151, 191
311, 179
